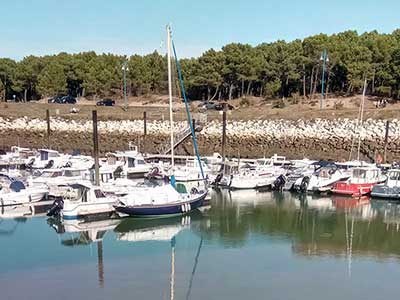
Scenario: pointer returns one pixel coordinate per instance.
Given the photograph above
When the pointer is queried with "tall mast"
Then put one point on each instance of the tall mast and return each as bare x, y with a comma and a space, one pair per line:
361, 118
170, 95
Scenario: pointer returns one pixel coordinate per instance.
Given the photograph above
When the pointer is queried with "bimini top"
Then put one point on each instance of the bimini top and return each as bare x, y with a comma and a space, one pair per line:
48, 150
324, 163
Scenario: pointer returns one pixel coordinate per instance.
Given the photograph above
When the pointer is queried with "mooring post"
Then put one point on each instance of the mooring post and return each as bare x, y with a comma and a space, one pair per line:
144, 130
48, 128
386, 140
223, 134
95, 148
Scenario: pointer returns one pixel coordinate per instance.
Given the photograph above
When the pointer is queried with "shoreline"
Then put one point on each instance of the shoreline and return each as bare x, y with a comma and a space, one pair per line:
314, 139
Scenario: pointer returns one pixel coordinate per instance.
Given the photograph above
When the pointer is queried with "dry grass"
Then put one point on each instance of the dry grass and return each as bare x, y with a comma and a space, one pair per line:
157, 109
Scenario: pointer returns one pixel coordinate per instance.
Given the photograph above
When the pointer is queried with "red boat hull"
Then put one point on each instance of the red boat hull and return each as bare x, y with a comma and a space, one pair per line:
352, 189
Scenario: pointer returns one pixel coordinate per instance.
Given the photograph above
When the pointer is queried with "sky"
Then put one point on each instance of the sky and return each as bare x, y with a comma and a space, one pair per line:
41, 27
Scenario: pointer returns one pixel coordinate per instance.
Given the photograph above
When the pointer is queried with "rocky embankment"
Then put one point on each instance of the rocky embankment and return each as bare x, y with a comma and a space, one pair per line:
295, 139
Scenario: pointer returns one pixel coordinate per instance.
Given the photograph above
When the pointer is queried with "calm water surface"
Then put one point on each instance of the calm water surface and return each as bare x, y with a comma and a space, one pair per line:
245, 245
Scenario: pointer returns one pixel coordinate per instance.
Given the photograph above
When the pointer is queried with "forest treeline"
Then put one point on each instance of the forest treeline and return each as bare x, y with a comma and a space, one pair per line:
276, 69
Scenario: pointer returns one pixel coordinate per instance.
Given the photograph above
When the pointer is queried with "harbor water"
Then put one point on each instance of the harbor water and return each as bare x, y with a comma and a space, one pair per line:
243, 245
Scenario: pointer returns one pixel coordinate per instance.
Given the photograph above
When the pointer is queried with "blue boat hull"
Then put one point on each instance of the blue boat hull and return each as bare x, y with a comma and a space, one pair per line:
162, 210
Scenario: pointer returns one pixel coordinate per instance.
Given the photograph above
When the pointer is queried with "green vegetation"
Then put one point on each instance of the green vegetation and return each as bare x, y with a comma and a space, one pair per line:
269, 70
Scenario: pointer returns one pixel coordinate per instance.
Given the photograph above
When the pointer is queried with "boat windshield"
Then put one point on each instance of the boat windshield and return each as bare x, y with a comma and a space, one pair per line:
71, 173
263, 162
51, 174
325, 172
99, 194
394, 175
359, 173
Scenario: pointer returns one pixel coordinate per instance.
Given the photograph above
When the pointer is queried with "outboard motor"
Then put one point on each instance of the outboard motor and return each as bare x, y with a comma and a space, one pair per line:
279, 183
30, 163
218, 179
56, 208
304, 184
49, 165
154, 173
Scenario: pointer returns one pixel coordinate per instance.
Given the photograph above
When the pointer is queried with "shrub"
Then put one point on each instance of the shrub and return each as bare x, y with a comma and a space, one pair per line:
338, 105
244, 102
295, 98
279, 104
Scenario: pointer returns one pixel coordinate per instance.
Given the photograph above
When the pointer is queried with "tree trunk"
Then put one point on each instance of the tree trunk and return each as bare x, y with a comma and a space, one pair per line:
248, 88
262, 89
304, 82
311, 81
328, 74
373, 83
208, 93
25, 95
315, 83
230, 92
215, 94
219, 96
242, 88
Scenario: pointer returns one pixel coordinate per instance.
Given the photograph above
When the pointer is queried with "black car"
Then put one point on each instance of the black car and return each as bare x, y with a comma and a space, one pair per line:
68, 100
210, 105
105, 102
62, 100
55, 99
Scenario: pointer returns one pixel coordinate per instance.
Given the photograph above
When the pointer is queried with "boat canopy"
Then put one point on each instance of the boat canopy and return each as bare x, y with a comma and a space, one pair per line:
17, 186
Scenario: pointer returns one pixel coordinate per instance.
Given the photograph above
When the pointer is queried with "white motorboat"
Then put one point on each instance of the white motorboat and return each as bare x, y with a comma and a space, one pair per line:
326, 173
247, 179
82, 199
48, 158
14, 192
57, 179
191, 171
18, 157
389, 189
132, 163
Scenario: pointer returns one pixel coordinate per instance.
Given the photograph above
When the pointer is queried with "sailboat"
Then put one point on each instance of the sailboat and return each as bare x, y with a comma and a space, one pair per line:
172, 198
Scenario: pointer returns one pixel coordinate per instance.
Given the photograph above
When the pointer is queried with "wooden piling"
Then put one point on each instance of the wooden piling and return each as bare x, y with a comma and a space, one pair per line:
144, 131
223, 134
386, 140
95, 148
48, 128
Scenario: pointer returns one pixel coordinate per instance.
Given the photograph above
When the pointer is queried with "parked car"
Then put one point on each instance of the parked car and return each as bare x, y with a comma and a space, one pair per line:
211, 105
105, 102
62, 100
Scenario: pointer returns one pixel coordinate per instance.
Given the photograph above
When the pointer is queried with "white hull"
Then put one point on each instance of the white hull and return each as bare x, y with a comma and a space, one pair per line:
76, 209
29, 195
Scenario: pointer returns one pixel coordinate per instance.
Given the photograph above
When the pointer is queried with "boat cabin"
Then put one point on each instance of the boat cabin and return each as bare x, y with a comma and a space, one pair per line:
84, 193
46, 154
393, 178
365, 175
274, 161
129, 158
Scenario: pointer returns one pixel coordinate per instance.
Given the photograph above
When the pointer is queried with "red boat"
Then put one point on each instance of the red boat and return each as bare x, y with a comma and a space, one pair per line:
360, 183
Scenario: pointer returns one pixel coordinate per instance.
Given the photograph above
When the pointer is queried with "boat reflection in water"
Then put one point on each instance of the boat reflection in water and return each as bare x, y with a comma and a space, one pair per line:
267, 241
161, 229
24, 211
317, 226
80, 232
